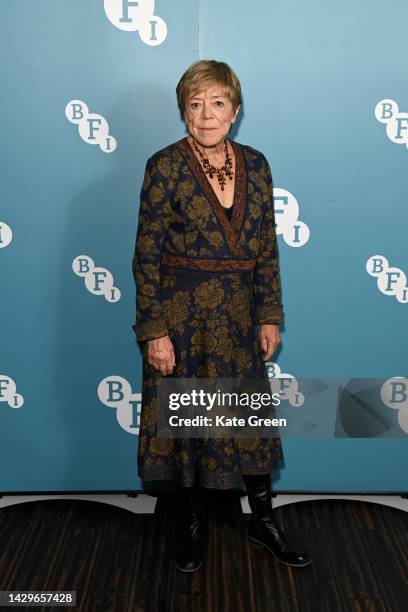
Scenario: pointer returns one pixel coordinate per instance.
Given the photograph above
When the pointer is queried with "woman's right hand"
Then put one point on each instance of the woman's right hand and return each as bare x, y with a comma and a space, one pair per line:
160, 354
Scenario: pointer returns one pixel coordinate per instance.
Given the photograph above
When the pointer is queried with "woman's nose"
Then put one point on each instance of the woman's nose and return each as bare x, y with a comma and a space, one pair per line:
207, 111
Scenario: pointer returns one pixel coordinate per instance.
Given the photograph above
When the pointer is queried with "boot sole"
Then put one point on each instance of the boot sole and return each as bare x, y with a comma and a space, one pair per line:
258, 544
189, 571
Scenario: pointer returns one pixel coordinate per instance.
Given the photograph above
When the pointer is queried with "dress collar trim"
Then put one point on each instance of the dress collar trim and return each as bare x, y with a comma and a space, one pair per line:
231, 228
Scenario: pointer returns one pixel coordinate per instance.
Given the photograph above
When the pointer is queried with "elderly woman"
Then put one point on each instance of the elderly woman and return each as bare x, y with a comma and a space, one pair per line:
208, 303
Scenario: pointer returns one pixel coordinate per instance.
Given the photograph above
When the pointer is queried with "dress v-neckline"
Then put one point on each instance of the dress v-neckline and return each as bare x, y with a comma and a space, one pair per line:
231, 227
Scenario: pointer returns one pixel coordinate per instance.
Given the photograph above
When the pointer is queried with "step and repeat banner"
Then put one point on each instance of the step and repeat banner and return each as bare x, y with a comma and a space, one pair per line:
88, 94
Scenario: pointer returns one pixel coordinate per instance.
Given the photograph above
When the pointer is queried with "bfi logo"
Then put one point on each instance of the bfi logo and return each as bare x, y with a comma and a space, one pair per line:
98, 281
295, 233
387, 112
390, 281
137, 16
116, 392
92, 127
394, 394
8, 392
285, 384
6, 235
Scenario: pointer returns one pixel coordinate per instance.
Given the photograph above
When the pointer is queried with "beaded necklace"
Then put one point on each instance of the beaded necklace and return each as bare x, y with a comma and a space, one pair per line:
223, 171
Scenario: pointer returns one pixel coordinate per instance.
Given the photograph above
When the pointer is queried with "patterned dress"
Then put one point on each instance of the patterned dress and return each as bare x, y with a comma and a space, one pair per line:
208, 281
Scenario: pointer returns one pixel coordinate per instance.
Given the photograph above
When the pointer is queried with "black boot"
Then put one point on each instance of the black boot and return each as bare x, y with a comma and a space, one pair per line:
263, 529
189, 532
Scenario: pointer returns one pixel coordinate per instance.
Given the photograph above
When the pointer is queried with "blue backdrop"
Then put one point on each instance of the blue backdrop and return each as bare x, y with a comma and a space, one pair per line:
76, 73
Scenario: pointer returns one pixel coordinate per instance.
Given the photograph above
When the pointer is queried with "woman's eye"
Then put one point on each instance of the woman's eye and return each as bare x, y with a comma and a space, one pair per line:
194, 105
219, 103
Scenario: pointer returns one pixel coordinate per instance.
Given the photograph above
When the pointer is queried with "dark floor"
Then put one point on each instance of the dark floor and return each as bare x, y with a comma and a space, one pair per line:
117, 560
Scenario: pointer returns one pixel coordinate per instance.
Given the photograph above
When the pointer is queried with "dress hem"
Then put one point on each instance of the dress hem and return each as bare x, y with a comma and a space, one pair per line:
235, 482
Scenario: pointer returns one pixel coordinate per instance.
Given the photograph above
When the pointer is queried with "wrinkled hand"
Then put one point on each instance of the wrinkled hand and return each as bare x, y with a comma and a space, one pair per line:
160, 354
270, 340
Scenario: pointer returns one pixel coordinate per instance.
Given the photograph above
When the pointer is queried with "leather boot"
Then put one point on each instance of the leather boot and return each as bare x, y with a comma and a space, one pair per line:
263, 529
189, 536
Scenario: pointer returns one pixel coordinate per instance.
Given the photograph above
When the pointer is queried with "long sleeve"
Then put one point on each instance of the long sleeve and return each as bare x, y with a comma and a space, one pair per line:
154, 218
267, 285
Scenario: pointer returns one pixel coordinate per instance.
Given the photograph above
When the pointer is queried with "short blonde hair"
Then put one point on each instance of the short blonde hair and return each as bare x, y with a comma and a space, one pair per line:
205, 73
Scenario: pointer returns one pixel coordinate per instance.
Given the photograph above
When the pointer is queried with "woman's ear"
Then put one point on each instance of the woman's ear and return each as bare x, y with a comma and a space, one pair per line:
236, 113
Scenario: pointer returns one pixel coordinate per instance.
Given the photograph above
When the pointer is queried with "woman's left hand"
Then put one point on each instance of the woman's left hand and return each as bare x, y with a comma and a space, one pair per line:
270, 340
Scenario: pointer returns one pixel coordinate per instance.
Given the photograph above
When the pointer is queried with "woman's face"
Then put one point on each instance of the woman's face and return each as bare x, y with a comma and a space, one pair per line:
209, 115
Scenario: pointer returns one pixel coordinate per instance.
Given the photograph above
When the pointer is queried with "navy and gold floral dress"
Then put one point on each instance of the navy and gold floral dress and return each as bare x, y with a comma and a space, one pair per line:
207, 281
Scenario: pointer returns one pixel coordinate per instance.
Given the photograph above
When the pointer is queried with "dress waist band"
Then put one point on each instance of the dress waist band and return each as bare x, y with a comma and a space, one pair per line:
211, 265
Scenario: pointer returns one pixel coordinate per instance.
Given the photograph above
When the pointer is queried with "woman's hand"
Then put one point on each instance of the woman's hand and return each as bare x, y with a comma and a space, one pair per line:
270, 339
160, 354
